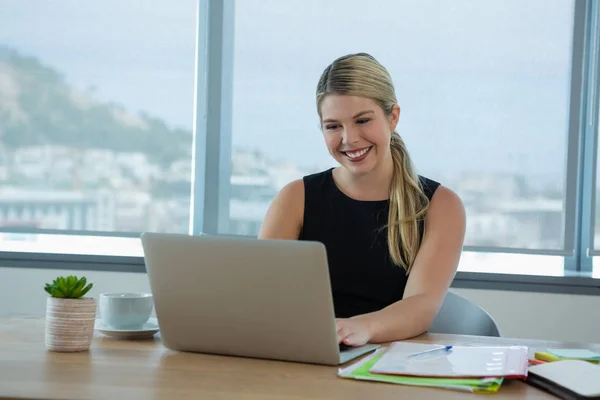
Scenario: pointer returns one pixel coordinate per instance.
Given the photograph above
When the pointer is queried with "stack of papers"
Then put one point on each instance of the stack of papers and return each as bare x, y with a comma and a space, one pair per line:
468, 368
360, 371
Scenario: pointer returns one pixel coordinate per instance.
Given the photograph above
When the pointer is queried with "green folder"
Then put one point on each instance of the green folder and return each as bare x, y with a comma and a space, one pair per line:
360, 370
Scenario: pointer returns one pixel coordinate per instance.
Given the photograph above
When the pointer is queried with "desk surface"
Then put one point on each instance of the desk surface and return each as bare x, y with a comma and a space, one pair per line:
144, 369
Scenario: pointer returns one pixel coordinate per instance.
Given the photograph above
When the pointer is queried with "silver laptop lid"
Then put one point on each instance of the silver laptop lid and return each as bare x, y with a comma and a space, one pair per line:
243, 296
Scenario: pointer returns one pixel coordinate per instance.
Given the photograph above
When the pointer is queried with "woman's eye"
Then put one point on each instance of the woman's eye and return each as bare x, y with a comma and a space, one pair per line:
331, 127
363, 121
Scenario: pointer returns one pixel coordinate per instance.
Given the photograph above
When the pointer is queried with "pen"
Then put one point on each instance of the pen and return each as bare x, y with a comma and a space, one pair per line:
437, 349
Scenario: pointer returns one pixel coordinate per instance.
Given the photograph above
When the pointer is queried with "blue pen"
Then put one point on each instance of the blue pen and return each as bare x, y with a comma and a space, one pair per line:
437, 349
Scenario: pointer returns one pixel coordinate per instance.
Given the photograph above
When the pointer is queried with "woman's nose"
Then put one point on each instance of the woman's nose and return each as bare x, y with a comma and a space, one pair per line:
350, 135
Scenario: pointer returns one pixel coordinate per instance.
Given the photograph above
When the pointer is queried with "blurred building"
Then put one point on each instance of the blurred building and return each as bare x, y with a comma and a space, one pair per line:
50, 209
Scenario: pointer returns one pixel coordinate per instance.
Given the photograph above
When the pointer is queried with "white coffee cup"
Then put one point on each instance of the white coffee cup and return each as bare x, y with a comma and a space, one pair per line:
124, 310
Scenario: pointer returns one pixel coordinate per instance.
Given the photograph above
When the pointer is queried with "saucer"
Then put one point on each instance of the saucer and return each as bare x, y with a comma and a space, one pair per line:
146, 331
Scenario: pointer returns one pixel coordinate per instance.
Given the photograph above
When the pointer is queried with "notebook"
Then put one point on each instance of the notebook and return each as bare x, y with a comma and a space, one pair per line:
459, 362
568, 354
568, 379
575, 354
360, 371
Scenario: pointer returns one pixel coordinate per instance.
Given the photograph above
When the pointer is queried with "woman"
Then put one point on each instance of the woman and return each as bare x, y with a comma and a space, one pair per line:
393, 238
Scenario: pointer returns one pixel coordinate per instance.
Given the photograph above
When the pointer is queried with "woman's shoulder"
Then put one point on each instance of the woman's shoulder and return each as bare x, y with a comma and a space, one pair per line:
318, 185
445, 204
444, 195
318, 178
307, 184
429, 186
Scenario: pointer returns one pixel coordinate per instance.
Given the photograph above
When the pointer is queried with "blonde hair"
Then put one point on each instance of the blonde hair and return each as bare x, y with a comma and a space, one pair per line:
362, 75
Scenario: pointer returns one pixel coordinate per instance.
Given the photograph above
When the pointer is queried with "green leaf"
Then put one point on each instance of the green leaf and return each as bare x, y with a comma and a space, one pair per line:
62, 285
80, 284
57, 292
77, 286
86, 289
71, 285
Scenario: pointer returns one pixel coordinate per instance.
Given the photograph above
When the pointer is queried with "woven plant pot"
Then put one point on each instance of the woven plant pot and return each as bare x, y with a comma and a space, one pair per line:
69, 323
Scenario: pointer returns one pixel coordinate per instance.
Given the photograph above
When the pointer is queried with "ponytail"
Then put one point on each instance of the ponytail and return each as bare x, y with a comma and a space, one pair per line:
408, 205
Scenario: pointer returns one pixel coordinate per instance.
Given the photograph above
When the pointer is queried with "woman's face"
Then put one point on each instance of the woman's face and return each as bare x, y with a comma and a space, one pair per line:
357, 132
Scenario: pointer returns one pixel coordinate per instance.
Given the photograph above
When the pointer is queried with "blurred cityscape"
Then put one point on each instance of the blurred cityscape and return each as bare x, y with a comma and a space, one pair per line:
68, 162
101, 190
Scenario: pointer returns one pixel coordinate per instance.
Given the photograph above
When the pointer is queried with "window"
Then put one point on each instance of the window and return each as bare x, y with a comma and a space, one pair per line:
96, 113
118, 118
485, 114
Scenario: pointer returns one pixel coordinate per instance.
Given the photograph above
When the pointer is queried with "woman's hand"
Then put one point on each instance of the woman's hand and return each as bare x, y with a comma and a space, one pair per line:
353, 331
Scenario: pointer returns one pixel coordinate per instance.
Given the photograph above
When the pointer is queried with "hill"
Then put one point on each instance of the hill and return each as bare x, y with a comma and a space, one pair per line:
38, 107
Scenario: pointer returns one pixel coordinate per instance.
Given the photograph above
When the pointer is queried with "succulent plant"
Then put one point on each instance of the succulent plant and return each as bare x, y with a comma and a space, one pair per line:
69, 287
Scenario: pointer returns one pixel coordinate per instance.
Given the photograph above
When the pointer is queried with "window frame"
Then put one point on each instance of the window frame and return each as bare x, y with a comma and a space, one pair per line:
211, 159
212, 150
581, 161
590, 147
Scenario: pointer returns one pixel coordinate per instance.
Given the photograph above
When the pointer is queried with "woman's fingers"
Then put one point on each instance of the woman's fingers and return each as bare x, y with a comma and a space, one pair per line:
355, 339
352, 332
342, 335
349, 340
343, 331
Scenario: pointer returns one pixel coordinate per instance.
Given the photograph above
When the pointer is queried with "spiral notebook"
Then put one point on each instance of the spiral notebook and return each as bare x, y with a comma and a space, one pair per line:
458, 362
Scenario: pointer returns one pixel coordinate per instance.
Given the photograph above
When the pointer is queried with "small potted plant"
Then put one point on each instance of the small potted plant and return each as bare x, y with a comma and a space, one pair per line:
70, 317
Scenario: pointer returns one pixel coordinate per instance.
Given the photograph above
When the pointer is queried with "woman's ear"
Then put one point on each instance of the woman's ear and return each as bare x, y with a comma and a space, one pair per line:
394, 117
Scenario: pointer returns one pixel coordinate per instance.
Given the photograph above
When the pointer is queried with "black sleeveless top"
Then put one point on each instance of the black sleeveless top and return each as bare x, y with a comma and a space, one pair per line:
363, 277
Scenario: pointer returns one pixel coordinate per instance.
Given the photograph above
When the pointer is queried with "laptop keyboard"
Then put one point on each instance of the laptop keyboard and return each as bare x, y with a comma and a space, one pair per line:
344, 347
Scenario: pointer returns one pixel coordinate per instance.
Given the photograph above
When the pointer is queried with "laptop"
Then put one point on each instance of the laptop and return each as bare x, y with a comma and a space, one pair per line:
245, 297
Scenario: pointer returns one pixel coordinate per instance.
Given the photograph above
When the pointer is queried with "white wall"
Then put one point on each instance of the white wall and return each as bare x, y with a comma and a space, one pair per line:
519, 314
22, 289
548, 316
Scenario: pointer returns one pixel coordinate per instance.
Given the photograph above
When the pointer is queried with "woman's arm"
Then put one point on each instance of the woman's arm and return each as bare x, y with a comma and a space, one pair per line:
285, 214
433, 271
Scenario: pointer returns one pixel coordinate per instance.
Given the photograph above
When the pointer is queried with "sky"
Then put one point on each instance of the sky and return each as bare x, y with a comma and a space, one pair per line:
483, 85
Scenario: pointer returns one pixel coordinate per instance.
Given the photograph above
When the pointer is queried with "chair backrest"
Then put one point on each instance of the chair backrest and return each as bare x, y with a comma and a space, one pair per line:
460, 316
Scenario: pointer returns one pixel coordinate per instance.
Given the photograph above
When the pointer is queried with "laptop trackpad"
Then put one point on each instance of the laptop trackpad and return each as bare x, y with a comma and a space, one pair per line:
350, 353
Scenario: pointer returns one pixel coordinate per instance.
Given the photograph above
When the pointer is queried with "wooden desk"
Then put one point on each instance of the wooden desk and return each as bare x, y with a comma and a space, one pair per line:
118, 369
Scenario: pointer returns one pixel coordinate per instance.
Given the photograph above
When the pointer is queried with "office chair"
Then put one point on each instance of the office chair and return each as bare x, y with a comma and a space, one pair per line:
460, 316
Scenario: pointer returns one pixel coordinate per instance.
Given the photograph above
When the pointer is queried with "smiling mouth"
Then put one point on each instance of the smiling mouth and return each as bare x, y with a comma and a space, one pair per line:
357, 155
